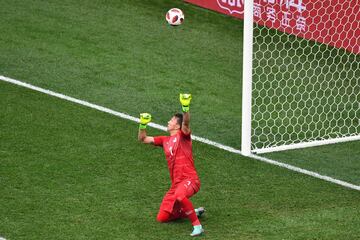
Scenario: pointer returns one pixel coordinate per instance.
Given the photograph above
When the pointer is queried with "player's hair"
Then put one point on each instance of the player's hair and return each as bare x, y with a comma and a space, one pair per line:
179, 118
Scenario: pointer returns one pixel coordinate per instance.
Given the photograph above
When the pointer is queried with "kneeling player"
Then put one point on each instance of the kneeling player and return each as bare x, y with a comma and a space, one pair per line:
184, 179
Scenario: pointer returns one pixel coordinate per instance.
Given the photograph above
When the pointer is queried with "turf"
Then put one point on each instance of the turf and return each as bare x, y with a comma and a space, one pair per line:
69, 172
326, 160
74, 173
122, 54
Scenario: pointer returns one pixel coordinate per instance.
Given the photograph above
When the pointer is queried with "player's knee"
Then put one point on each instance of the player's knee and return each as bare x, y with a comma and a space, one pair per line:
163, 217
180, 197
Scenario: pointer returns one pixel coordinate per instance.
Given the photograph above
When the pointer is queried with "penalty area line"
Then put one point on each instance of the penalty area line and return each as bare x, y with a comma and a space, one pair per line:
196, 138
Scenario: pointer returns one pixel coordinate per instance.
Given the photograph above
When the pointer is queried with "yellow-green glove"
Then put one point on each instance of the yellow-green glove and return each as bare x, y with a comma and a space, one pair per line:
185, 99
145, 118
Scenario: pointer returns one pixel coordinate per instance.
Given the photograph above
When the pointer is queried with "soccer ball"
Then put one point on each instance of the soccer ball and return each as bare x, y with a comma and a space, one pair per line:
175, 17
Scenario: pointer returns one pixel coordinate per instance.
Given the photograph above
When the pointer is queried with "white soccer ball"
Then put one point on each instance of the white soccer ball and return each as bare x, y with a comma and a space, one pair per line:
175, 17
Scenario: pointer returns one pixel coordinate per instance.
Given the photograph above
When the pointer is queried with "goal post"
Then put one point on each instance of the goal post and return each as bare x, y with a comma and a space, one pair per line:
247, 78
301, 74
301, 71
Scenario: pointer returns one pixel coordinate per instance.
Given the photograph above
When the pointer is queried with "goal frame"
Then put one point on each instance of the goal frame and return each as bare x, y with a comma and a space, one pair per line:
247, 87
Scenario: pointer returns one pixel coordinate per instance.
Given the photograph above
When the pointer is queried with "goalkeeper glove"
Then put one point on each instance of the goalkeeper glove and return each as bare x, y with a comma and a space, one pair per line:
145, 118
185, 99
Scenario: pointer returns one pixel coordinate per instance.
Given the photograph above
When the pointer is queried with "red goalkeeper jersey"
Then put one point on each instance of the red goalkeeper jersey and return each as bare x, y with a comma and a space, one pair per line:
178, 152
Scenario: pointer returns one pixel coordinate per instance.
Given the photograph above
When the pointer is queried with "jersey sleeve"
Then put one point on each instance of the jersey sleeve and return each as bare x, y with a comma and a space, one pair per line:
186, 136
158, 141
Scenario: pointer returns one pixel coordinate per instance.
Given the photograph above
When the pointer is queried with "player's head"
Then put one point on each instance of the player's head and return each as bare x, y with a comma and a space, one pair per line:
175, 122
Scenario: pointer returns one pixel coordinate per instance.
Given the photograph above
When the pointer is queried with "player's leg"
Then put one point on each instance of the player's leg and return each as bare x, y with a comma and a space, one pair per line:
183, 192
167, 207
178, 212
163, 216
189, 188
195, 184
170, 208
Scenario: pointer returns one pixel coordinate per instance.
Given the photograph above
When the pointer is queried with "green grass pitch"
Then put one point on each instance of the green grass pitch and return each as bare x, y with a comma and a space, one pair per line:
70, 172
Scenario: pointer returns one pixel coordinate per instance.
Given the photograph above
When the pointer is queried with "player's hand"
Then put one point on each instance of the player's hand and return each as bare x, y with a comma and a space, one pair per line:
185, 99
145, 118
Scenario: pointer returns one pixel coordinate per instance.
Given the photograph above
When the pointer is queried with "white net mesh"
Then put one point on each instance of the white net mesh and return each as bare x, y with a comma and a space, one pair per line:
306, 82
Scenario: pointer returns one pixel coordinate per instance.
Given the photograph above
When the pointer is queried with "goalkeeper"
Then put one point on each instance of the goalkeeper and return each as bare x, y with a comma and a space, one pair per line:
184, 179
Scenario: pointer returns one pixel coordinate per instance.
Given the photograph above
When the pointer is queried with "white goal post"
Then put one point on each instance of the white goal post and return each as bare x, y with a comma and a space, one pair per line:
247, 78
301, 74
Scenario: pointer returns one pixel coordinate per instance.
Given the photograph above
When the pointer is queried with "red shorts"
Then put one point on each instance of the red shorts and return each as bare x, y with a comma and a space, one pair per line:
186, 188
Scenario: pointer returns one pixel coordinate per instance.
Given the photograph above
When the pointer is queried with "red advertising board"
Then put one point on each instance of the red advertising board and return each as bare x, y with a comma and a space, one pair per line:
333, 22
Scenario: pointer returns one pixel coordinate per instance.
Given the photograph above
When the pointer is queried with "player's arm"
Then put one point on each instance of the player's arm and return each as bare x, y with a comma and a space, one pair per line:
185, 104
145, 118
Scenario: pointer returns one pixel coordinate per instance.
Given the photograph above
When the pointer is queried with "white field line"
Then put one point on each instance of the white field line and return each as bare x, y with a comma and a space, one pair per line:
306, 172
196, 138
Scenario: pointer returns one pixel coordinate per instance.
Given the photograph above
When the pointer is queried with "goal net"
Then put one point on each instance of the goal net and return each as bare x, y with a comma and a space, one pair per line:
303, 82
